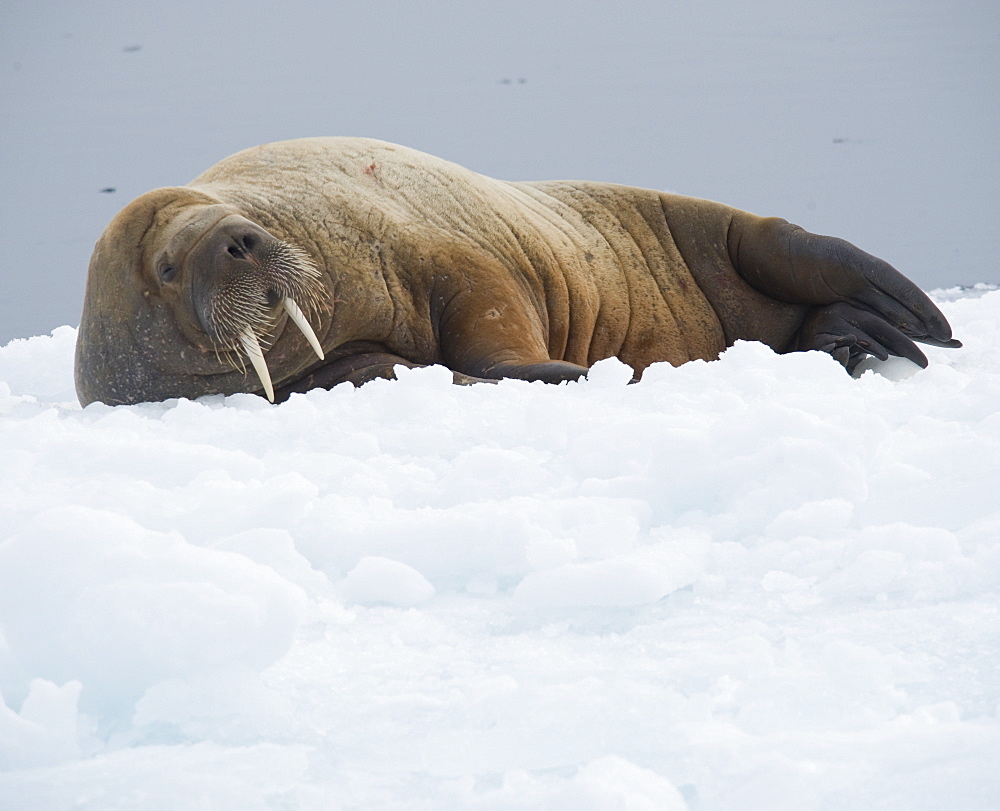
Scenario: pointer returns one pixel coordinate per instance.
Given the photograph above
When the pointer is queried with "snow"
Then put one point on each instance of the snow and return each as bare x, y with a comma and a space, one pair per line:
751, 583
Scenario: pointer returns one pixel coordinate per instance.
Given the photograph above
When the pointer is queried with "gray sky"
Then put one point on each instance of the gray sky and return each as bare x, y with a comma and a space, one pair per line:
873, 120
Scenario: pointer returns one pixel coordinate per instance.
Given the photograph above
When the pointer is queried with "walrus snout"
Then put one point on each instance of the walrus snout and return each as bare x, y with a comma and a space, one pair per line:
233, 247
242, 277
241, 248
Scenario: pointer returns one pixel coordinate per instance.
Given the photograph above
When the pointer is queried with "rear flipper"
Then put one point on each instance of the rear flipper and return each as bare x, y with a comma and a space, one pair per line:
850, 334
864, 306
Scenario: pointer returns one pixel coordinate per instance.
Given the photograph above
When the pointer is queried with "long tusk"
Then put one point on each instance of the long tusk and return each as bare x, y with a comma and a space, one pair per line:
295, 313
256, 355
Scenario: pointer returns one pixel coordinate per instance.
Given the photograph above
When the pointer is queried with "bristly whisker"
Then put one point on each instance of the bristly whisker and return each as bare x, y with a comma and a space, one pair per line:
241, 315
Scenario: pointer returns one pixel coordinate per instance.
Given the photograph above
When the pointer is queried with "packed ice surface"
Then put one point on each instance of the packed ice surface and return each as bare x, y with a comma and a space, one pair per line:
751, 583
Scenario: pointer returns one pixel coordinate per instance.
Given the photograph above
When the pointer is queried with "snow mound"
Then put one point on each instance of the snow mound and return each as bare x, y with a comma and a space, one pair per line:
754, 582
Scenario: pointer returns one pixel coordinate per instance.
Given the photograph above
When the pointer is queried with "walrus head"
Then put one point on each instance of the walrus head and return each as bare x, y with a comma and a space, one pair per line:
182, 290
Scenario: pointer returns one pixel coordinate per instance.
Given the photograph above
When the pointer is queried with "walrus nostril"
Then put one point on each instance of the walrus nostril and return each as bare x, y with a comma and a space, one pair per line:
242, 245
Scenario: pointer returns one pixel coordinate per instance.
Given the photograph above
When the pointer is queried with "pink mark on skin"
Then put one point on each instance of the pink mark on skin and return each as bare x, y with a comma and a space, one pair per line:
371, 171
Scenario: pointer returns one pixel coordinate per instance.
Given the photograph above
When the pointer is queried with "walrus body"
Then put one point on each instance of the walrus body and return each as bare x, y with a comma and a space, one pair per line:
397, 257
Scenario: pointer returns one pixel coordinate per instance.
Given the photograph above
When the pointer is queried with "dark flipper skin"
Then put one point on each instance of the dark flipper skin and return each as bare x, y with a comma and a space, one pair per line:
863, 305
850, 334
357, 363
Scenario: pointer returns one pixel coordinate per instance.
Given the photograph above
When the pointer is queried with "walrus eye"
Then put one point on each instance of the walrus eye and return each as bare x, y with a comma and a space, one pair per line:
168, 273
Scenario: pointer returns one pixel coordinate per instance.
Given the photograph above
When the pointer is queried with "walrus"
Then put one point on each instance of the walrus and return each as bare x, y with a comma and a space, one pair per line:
319, 261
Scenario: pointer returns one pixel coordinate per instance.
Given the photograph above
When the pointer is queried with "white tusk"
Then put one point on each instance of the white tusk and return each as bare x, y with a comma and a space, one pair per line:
295, 313
256, 355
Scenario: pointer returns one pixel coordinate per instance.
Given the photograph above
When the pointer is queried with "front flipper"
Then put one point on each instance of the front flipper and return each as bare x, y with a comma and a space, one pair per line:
884, 308
550, 371
357, 365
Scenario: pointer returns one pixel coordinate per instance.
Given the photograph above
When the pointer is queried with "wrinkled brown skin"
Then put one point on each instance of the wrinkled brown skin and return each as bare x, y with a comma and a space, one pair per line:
426, 262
